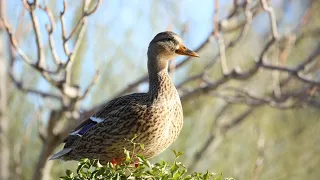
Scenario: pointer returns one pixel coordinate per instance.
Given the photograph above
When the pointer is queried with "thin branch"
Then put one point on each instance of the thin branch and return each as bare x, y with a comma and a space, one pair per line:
63, 29
20, 85
246, 26
94, 9
252, 71
272, 18
259, 164
50, 28
26, 5
80, 21
91, 85
14, 43
35, 24
68, 65
219, 38
22, 88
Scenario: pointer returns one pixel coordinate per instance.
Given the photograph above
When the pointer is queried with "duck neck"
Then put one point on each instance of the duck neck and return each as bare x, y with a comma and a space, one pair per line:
159, 80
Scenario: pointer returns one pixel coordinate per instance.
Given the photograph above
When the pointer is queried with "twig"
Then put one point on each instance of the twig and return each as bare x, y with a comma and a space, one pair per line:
92, 83
80, 21
35, 24
219, 38
43, 72
50, 28
252, 71
22, 88
68, 65
260, 159
63, 29
272, 18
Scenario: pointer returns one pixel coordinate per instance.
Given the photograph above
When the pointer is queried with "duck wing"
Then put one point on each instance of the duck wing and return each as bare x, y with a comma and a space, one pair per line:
113, 108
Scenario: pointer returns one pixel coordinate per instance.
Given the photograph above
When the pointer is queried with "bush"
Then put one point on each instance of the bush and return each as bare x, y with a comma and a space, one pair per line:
93, 170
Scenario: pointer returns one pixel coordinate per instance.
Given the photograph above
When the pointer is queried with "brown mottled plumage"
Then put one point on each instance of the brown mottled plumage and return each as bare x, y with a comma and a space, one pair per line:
154, 117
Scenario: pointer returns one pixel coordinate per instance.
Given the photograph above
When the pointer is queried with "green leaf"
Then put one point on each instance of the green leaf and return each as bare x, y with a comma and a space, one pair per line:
144, 161
69, 173
206, 176
177, 154
65, 178
141, 146
174, 168
127, 153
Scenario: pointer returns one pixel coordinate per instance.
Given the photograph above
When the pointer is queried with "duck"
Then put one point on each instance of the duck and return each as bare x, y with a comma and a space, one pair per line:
153, 118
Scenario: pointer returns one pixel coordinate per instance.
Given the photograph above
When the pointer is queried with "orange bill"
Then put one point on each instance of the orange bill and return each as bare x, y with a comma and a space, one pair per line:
185, 51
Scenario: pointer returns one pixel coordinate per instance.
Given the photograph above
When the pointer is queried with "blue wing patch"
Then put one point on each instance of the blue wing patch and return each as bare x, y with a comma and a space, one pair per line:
86, 128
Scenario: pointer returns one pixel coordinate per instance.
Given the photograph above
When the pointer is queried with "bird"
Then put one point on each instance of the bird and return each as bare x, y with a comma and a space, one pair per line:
153, 118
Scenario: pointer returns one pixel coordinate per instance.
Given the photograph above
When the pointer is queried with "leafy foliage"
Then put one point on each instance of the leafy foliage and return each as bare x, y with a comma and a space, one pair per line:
143, 169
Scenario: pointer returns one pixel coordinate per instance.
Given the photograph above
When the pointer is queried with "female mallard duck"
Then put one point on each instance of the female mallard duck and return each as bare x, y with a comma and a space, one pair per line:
155, 117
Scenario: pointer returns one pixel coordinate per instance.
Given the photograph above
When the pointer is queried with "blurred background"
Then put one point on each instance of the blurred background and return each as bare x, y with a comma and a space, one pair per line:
251, 101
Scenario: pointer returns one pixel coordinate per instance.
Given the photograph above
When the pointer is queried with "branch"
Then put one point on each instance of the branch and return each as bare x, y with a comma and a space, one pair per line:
18, 84
21, 87
235, 74
81, 20
260, 159
50, 28
91, 85
36, 28
272, 18
69, 63
219, 38
35, 66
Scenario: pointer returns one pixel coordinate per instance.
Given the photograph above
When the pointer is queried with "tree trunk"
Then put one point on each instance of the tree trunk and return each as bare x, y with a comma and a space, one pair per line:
42, 170
4, 123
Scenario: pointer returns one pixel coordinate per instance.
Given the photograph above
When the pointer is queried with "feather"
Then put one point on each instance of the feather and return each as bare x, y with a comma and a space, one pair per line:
96, 119
85, 126
60, 154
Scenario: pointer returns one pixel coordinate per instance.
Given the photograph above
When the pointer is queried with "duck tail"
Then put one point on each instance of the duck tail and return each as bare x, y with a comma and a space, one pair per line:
60, 154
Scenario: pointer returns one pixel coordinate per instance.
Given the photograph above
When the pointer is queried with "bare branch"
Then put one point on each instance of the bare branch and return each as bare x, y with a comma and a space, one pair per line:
26, 5
219, 38
94, 9
63, 29
81, 20
260, 159
35, 23
14, 43
50, 28
21, 87
91, 85
272, 17
68, 65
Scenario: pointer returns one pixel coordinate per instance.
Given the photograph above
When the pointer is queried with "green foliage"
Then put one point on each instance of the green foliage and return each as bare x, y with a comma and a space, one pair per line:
142, 169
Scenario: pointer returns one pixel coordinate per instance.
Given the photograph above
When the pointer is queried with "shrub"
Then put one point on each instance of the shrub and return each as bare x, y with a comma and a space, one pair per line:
93, 170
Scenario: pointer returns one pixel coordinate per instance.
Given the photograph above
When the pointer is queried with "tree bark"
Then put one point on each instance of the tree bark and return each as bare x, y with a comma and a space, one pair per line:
41, 170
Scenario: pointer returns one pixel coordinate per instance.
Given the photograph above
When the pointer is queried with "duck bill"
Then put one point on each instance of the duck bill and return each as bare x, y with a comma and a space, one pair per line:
185, 51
